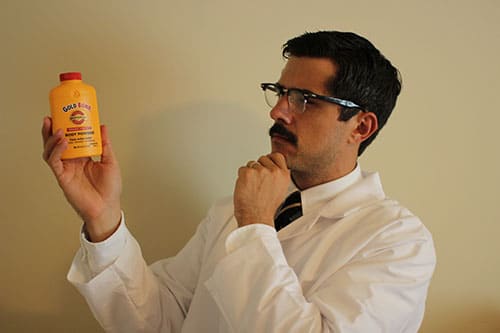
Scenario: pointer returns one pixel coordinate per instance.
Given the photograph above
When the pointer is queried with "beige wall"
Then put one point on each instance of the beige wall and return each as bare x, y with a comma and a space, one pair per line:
177, 84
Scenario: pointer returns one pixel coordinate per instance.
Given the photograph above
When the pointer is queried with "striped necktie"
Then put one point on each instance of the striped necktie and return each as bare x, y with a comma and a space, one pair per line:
290, 210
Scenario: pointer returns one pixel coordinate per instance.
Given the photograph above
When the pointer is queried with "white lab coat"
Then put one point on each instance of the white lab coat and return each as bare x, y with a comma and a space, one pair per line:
359, 263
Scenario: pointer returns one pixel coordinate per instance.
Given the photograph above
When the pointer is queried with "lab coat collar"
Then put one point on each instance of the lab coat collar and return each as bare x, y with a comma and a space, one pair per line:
364, 192
361, 194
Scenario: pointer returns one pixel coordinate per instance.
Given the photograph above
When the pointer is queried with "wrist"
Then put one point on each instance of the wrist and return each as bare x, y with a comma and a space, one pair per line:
99, 229
244, 220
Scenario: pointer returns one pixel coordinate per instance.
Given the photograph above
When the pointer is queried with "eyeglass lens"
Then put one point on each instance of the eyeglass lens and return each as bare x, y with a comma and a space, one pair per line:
296, 100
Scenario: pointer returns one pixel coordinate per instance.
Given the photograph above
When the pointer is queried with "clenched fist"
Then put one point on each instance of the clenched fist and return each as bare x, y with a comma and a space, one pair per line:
260, 188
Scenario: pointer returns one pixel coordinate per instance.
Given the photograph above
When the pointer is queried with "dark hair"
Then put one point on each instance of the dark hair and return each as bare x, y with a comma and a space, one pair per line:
363, 76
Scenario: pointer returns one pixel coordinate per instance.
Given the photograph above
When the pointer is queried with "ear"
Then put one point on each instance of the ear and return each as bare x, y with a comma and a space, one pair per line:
366, 125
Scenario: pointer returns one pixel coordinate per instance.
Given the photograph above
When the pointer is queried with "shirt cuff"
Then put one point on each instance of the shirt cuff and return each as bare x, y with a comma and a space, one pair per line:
246, 234
101, 255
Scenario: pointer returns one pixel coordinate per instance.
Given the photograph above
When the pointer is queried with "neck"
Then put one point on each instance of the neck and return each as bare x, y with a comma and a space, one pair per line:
305, 180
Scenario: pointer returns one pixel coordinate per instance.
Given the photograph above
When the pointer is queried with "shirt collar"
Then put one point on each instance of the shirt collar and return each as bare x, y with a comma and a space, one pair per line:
318, 195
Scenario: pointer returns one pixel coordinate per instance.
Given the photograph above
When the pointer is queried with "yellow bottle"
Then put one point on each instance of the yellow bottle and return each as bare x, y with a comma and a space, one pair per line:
73, 106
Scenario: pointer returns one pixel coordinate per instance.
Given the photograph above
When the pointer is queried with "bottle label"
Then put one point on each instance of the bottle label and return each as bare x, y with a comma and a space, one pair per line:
79, 134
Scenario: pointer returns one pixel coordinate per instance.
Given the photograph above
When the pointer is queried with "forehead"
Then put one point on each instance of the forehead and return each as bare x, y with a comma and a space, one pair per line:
308, 73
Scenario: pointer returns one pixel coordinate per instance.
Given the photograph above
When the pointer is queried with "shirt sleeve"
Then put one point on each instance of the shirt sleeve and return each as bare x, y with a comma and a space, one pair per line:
101, 255
254, 287
127, 295
377, 291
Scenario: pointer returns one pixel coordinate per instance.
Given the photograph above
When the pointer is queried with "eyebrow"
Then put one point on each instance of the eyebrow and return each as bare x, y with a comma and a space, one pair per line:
295, 88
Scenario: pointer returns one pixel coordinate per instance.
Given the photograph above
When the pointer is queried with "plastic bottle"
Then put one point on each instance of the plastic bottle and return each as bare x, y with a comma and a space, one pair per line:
73, 107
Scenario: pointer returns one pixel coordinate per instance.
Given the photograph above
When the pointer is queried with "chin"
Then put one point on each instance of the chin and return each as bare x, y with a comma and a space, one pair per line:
284, 152
281, 146
281, 150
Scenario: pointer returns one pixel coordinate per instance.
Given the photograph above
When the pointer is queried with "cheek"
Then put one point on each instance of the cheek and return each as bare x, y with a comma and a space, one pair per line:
323, 139
317, 133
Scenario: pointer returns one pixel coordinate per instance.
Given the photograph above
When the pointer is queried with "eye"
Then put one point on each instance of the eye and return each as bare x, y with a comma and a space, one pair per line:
296, 97
310, 101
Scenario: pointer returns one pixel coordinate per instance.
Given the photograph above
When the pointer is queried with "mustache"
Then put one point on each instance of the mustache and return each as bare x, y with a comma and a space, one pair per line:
281, 130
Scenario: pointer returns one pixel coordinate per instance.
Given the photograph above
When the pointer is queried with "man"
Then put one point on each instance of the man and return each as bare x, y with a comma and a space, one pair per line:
353, 260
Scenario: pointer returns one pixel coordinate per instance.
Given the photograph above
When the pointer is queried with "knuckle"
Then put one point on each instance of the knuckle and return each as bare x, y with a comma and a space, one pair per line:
50, 161
276, 172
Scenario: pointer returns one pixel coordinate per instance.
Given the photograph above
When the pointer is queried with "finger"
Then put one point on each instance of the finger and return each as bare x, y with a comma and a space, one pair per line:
253, 164
50, 143
108, 156
267, 162
46, 129
279, 159
242, 171
54, 158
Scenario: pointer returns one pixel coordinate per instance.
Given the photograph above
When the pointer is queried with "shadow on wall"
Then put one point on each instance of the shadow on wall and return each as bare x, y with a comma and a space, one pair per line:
185, 159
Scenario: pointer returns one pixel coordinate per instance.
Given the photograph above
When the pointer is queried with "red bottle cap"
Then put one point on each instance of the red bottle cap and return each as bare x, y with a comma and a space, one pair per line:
70, 76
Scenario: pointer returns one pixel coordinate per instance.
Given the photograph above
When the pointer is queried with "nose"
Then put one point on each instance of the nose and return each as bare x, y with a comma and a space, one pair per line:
281, 111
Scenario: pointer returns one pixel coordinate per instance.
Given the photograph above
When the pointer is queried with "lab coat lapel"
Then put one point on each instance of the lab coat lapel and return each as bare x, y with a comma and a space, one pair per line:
365, 192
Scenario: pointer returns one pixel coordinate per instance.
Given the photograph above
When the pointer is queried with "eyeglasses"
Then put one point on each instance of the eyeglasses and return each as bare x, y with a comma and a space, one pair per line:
298, 98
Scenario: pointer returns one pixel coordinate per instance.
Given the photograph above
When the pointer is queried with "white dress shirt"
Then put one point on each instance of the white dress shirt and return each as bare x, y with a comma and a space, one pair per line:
355, 261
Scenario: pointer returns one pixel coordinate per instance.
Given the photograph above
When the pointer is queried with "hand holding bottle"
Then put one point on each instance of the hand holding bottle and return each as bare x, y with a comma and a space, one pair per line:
93, 188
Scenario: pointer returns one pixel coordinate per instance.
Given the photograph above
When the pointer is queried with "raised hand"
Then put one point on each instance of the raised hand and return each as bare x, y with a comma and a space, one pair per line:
93, 188
260, 189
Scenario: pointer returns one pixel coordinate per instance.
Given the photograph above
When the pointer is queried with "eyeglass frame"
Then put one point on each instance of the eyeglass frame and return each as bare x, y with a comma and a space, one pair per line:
308, 95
